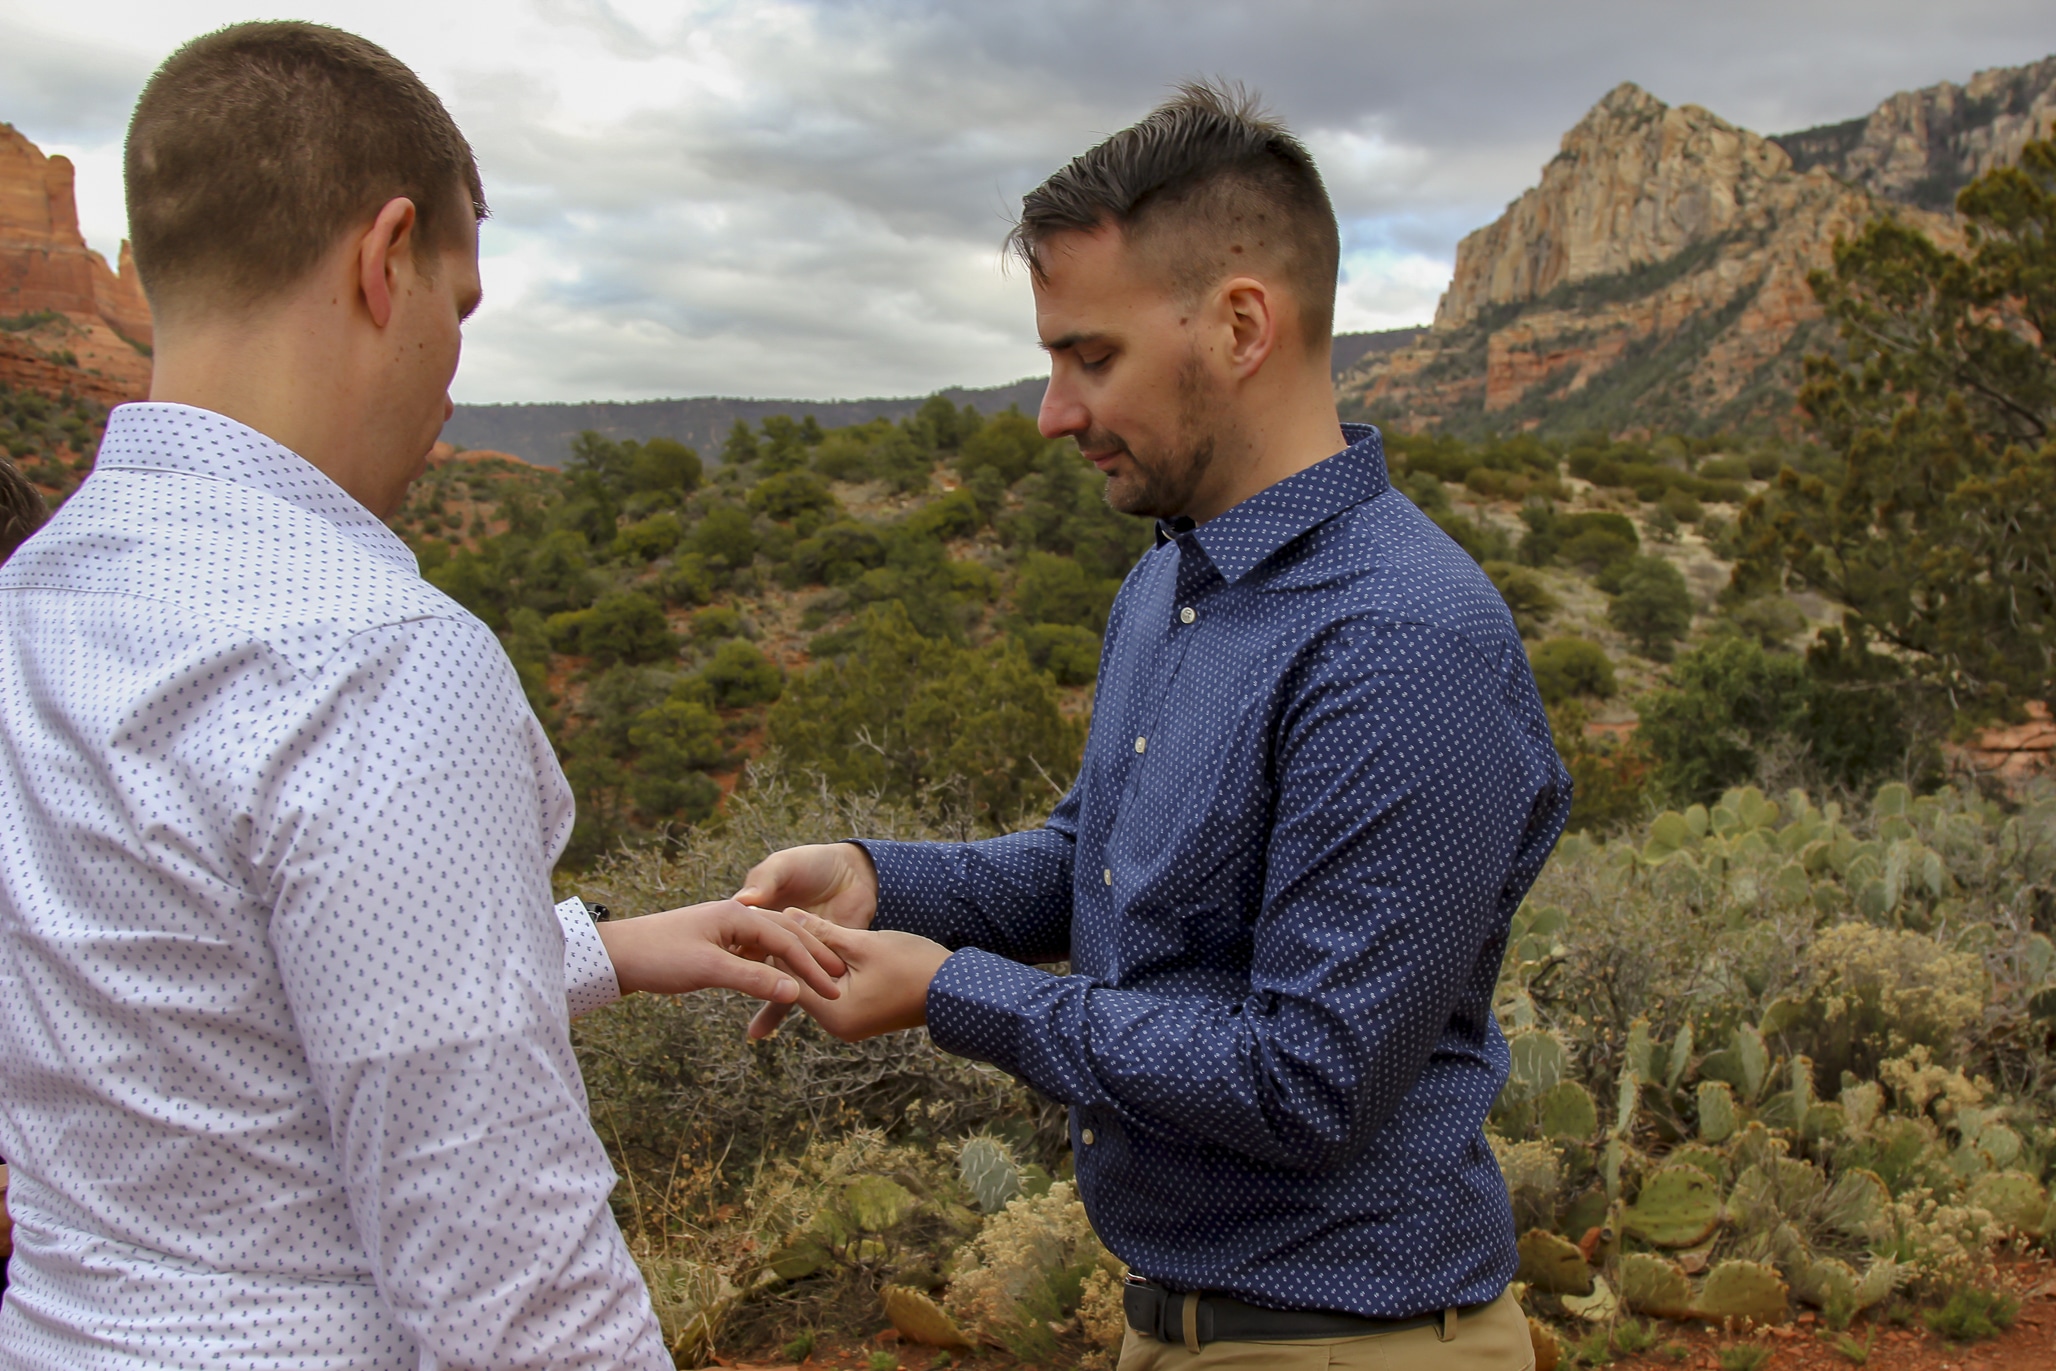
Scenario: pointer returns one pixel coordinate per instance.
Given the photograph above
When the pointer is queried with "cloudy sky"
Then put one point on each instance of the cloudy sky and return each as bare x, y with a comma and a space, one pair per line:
778, 198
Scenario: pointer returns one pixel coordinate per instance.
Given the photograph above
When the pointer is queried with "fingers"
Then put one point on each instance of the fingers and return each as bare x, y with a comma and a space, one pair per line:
802, 926
762, 934
757, 980
767, 1019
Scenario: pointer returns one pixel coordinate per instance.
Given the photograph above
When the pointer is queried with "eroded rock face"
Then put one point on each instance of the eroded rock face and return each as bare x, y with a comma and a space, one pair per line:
1655, 277
1922, 146
45, 266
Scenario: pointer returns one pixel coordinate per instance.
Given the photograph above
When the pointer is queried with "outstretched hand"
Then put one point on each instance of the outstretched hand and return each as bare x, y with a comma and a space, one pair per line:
726, 944
884, 987
834, 881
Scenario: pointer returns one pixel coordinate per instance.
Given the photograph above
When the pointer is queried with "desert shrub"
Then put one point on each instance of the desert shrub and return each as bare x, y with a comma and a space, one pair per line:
1653, 607
725, 536
1483, 541
1026, 1271
791, 494
1068, 653
907, 715
1008, 444
715, 623
740, 675
626, 626
1056, 590
1866, 993
1973, 1312
1568, 667
648, 539
1526, 596
1772, 620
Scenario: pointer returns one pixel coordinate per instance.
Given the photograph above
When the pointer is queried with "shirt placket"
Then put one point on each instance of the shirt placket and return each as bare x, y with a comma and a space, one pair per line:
1196, 580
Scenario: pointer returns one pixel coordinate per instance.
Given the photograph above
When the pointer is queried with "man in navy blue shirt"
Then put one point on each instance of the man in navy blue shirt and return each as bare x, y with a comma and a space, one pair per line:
1318, 782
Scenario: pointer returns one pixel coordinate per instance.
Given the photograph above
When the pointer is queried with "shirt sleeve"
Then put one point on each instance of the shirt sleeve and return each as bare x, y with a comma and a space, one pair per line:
589, 979
1009, 895
1401, 757
404, 836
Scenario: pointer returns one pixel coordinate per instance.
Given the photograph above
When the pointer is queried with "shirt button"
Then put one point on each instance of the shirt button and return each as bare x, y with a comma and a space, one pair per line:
1085, 1136
1187, 614
1141, 744
1107, 875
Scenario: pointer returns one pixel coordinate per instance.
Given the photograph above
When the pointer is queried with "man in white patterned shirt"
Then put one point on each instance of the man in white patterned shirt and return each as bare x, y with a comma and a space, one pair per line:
285, 1071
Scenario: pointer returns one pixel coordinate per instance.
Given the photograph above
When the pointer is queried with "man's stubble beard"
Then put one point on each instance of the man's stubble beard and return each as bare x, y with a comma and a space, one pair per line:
1161, 485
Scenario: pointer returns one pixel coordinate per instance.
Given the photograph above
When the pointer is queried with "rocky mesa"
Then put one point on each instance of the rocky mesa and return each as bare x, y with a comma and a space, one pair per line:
1655, 277
67, 320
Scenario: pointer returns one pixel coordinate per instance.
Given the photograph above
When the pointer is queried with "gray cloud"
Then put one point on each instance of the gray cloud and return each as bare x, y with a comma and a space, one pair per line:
805, 197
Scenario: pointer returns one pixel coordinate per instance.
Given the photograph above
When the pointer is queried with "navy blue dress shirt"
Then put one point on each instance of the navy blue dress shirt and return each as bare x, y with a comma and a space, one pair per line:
1318, 782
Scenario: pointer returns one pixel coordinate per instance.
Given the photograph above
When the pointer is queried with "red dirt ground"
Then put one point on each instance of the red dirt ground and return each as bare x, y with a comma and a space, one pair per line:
1802, 1346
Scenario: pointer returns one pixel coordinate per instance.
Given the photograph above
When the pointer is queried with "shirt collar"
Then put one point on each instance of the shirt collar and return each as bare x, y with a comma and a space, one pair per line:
1238, 540
163, 437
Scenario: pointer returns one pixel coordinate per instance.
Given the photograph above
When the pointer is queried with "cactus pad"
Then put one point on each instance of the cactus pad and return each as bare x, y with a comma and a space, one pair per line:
989, 1172
918, 1318
1856, 1203
2015, 1198
1718, 1118
1554, 1264
1566, 1111
1654, 1285
1678, 1207
1825, 1282
1743, 1290
875, 1204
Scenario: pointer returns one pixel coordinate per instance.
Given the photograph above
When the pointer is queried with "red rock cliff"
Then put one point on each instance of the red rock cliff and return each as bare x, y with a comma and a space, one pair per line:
103, 323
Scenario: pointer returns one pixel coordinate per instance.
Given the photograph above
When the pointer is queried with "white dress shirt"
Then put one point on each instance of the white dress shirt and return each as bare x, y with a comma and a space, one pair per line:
286, 1077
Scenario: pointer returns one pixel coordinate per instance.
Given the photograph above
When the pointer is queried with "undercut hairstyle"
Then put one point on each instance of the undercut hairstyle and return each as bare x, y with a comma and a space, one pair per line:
255, 148
1209, 183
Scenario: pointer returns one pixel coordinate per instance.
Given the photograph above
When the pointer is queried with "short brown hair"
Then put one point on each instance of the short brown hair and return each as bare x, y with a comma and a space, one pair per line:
1203, 169
254, 148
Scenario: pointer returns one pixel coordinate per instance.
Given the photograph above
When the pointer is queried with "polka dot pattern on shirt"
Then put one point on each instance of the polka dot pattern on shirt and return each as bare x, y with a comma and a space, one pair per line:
1318, 782
285, 1071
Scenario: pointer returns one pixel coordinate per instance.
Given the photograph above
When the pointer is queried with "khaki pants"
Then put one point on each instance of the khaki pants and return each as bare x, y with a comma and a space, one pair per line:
1493, 1339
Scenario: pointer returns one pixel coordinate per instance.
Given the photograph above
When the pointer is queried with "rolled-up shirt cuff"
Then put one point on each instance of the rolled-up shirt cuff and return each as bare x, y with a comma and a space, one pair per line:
982, 1005
589, 980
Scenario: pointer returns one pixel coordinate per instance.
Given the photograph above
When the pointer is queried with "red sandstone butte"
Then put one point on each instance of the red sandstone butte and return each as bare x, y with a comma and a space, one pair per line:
102, 320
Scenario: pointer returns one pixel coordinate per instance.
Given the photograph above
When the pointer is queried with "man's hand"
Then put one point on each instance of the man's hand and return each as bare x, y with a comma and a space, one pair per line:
834, 881
722, 943
885, 987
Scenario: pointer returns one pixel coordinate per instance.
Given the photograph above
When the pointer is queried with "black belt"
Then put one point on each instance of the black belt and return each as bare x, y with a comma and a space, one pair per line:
1196, 1319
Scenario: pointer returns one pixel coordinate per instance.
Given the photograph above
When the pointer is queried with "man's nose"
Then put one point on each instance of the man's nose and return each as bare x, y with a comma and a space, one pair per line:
1061, 415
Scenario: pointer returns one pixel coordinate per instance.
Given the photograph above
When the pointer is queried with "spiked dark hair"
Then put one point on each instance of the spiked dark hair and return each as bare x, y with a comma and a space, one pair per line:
1209, 181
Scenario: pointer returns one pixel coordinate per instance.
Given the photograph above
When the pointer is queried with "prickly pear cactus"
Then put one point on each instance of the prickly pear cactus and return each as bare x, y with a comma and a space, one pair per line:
1718, 1118
1825, 1282
1856, 1204
1566, 1112
1655, 1285
1553, 1263
1743, 1290
918, 1318
1679, 1207
989, 1172
2015, 1198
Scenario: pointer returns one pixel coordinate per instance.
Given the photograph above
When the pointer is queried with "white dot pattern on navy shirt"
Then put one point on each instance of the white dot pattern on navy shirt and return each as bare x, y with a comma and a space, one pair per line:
285, 1071
1319, 780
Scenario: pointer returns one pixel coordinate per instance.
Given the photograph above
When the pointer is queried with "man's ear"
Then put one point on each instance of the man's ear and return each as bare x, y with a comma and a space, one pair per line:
1252, 317
379, 253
